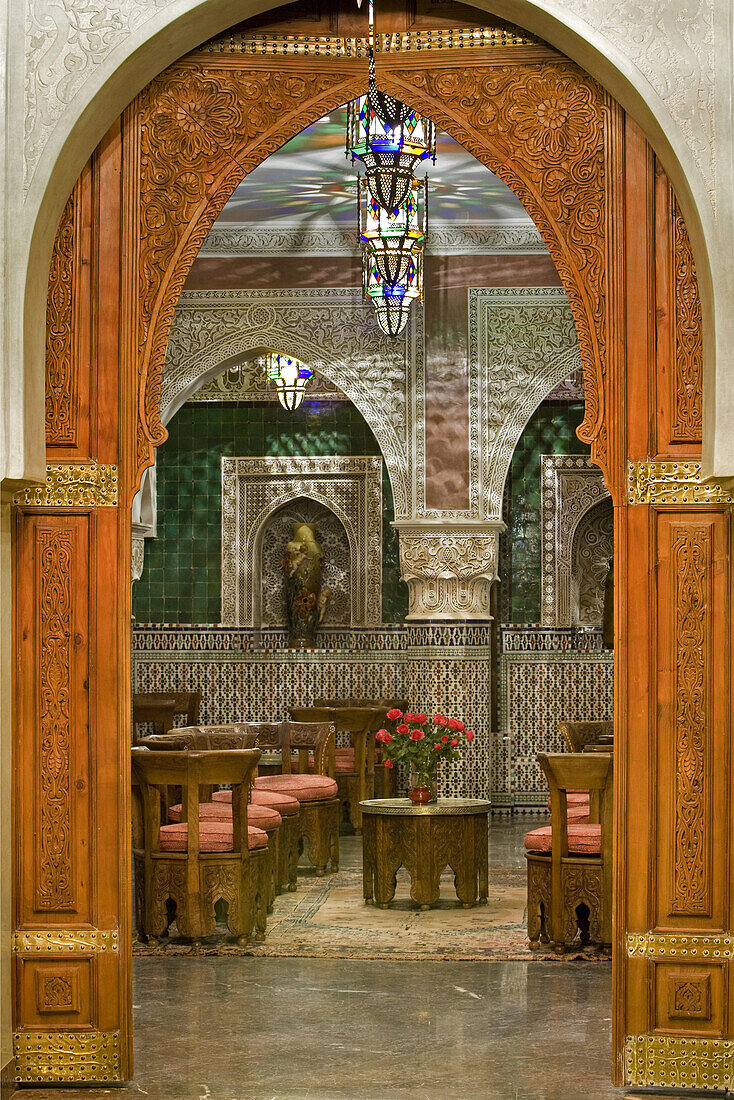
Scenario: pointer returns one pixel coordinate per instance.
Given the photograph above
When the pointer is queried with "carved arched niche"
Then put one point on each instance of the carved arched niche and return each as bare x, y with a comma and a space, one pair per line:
269, 607
591, 552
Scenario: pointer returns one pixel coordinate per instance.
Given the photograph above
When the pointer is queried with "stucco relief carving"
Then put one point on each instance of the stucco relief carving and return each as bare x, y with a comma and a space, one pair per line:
333, 331
570, 487
333, 240
522, 343
254, 489
672, 45
247, 382
65, 41
449, 570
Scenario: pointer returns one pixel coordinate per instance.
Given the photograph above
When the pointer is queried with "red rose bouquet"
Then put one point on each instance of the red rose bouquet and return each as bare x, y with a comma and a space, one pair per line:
422, 745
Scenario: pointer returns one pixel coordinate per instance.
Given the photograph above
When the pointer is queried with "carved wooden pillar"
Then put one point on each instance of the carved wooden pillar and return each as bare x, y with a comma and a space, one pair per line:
71, 756
673, 1024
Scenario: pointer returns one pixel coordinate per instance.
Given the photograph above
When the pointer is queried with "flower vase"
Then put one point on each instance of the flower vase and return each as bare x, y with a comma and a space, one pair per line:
423, 787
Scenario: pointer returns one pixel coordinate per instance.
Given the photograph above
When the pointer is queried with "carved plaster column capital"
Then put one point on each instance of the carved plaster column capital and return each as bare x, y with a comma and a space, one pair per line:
449, 568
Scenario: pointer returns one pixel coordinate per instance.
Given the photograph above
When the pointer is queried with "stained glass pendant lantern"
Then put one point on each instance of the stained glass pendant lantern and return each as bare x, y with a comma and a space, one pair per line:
390, 139
392, 254
290, 377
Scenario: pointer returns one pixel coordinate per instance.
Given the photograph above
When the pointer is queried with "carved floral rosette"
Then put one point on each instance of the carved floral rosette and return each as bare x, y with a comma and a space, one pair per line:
449, 570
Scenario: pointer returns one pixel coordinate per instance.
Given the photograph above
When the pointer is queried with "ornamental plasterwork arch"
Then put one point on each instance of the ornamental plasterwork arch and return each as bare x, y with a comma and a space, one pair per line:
253, 489
570, 486
522, 343
333, 331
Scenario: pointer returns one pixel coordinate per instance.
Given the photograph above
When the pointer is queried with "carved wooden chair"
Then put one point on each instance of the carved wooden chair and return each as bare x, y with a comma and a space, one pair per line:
315, 790
266, 735
570, 864
578, 735
354, 765
160, 713
187, 702
188, 866
385, 778
217, 805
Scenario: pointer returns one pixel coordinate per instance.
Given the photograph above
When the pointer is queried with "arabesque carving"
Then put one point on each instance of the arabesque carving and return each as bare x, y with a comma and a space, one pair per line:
198, 133
687, 421
449, 572
61, 378
691, 555
542, 129
54, 857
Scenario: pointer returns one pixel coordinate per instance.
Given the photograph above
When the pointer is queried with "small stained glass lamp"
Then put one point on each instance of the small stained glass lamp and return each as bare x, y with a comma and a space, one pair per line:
290, 377
390, 139
392, 254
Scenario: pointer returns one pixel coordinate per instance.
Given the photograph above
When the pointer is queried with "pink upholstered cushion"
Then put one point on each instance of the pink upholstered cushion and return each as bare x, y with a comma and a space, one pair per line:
578, 814
262, 817
283, 803
345, 760
208, 811
306, 788
214, 836
575, 798
584, 840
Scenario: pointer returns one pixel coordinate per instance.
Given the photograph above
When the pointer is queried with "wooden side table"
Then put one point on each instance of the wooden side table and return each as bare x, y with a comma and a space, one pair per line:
425, 839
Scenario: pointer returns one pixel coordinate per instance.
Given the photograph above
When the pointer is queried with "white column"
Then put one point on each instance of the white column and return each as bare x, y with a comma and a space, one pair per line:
449, 568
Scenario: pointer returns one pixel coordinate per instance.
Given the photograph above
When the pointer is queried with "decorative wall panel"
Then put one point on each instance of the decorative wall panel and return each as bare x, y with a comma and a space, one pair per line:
61, 380
333, 331
570, 488
253, 489
56, 549
437, 667
522, 343
545, 676
687, 404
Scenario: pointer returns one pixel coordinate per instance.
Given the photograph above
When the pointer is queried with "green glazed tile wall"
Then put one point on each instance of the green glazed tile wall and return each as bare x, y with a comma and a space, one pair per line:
182, 574
550, 430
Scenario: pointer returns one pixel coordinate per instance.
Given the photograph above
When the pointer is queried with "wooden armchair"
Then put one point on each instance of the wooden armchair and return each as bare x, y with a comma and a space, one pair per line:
352, 767
196, 862
315, 790
187, 702
185, 738
578, 735
570, 864
385, 778
160, 713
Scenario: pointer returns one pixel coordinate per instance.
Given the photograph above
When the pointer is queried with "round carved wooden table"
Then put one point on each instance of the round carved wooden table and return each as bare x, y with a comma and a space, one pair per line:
425, 839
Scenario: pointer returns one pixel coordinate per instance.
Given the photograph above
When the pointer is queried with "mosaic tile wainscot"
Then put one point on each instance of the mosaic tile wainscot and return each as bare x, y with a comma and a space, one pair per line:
546, 675
246, 676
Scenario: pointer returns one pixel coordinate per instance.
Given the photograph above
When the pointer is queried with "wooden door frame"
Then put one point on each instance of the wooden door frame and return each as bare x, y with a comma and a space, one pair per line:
143, 208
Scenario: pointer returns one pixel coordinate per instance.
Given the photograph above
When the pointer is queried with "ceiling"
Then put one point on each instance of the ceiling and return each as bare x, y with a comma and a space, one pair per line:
310, 182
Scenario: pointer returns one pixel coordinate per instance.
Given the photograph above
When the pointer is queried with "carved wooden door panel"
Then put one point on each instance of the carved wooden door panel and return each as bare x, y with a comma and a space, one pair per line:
71, 561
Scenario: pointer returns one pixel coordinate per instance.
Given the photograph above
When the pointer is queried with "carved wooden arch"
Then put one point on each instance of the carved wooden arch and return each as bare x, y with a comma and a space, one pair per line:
195, 132
543, 126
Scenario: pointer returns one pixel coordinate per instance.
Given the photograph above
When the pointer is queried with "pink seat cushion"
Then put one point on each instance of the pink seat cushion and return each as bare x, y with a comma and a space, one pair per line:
575, 798
208, 811
283, 803
262, 817
578, 814
214, 836
345, 760
584, 840
306, 788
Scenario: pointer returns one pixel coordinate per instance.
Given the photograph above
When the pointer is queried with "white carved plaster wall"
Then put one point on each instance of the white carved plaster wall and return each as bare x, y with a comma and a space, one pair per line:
522, 343
570, 486
253, 489
333, 331
72, 67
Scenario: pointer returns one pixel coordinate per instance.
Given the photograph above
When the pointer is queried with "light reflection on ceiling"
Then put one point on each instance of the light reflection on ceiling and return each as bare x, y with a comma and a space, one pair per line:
310, 181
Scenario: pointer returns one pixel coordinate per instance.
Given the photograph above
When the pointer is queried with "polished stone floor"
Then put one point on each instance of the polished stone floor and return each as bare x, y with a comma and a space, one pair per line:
321, 1029
238, 1028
